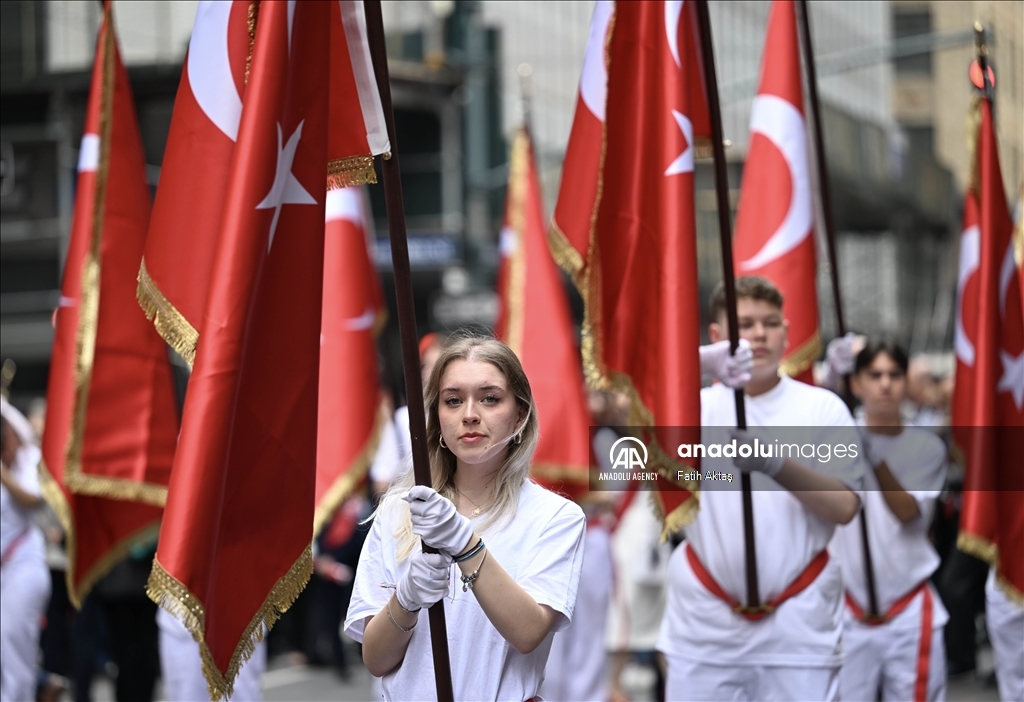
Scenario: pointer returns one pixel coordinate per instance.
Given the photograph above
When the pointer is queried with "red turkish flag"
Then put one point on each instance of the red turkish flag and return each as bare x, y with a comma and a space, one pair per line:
642, 322
535, 323
570, 231
234, 548
176, 272
111, 421
353, 312
775, 219
992, 520
965, 331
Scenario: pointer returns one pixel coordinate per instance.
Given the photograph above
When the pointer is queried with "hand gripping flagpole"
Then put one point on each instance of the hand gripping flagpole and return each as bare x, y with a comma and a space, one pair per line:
825, 198
729, 277
407, 324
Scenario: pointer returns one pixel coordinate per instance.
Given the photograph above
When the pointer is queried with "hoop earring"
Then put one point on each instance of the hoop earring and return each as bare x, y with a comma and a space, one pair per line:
440, 440
518, 438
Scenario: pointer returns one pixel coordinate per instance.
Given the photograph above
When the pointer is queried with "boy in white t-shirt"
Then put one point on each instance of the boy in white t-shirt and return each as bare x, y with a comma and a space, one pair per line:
892, 641
789, 647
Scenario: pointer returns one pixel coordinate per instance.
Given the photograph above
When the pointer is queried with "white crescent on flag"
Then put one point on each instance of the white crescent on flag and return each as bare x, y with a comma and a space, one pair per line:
970, 258
209, 69
594, 78
784, 126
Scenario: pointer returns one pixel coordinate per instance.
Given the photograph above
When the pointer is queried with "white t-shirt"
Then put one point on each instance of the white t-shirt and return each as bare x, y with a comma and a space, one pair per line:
541, 548
805, 630
902, 557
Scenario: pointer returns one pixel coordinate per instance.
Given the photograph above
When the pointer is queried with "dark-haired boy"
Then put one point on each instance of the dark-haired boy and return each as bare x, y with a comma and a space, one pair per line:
897, 649
790, 647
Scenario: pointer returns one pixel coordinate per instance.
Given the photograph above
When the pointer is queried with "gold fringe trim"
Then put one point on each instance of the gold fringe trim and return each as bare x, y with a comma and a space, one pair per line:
802, 358
987, 551
973, 124
116, 488
170, 324
252, 16
515, 291
77, 593
681, 516
171, 594
567, 257
350, 171
355, 474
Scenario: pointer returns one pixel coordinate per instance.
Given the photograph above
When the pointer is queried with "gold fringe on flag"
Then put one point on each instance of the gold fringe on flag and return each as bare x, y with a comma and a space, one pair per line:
169, 322
987, 551
77, 593
171, 594
516, 290
353, 170
567, 258
802, 358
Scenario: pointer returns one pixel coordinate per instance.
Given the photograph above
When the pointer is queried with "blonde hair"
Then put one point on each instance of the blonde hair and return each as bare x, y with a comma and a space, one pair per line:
514, 470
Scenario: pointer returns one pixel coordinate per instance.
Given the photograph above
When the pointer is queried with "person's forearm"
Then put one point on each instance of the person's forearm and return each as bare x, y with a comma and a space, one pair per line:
517, 616
384, 644
901, 502
18, 493
826, 497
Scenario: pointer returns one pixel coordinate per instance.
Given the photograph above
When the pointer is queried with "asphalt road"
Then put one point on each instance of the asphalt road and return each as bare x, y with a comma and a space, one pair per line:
284, 683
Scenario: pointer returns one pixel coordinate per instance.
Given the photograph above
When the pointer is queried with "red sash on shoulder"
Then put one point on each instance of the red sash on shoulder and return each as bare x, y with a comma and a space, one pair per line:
753, 614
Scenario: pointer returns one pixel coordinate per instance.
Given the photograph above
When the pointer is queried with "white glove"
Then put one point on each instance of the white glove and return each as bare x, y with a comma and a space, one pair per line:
872, 452
437, 522
425, 583
755, 463
734, 371
841, 353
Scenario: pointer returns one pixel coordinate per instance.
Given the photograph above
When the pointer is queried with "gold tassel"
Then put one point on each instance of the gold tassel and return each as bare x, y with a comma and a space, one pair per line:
170, 324
171, 594
350, 171
987, 551
802, 358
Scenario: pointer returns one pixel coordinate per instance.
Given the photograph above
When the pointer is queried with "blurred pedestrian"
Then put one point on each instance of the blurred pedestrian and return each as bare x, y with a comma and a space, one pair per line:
1004, 618
24, 578
518, 547
896, 651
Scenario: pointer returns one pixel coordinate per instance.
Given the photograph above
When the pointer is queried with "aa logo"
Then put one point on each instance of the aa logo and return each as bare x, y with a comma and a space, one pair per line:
625, 455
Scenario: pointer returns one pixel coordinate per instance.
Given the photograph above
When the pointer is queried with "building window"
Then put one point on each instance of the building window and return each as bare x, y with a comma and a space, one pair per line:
908, 24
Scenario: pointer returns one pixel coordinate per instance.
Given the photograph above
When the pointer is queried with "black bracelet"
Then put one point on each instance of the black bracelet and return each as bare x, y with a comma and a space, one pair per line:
470, 553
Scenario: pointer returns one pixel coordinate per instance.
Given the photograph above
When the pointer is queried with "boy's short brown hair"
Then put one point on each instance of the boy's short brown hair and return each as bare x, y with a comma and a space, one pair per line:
751, 286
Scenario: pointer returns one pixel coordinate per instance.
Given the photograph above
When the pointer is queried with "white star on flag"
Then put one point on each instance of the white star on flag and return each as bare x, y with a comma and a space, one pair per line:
683, 162
1012, 380
286, 190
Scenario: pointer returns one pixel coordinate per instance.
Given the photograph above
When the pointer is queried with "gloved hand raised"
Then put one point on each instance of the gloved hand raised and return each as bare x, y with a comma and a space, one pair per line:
437, 522
732, 370
425, 583
753, 462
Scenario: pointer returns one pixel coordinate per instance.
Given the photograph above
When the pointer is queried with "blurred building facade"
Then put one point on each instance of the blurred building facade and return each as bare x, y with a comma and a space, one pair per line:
892, 79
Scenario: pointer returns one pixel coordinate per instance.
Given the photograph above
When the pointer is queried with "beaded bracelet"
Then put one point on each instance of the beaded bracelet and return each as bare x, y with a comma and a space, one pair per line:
399, 626
468, 580
470, 553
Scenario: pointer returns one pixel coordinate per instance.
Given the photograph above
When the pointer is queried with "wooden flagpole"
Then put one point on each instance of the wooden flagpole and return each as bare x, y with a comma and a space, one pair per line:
407, 324
729, 277
825, 198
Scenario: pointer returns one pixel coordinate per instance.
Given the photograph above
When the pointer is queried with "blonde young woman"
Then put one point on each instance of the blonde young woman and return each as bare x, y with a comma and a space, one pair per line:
510, 551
